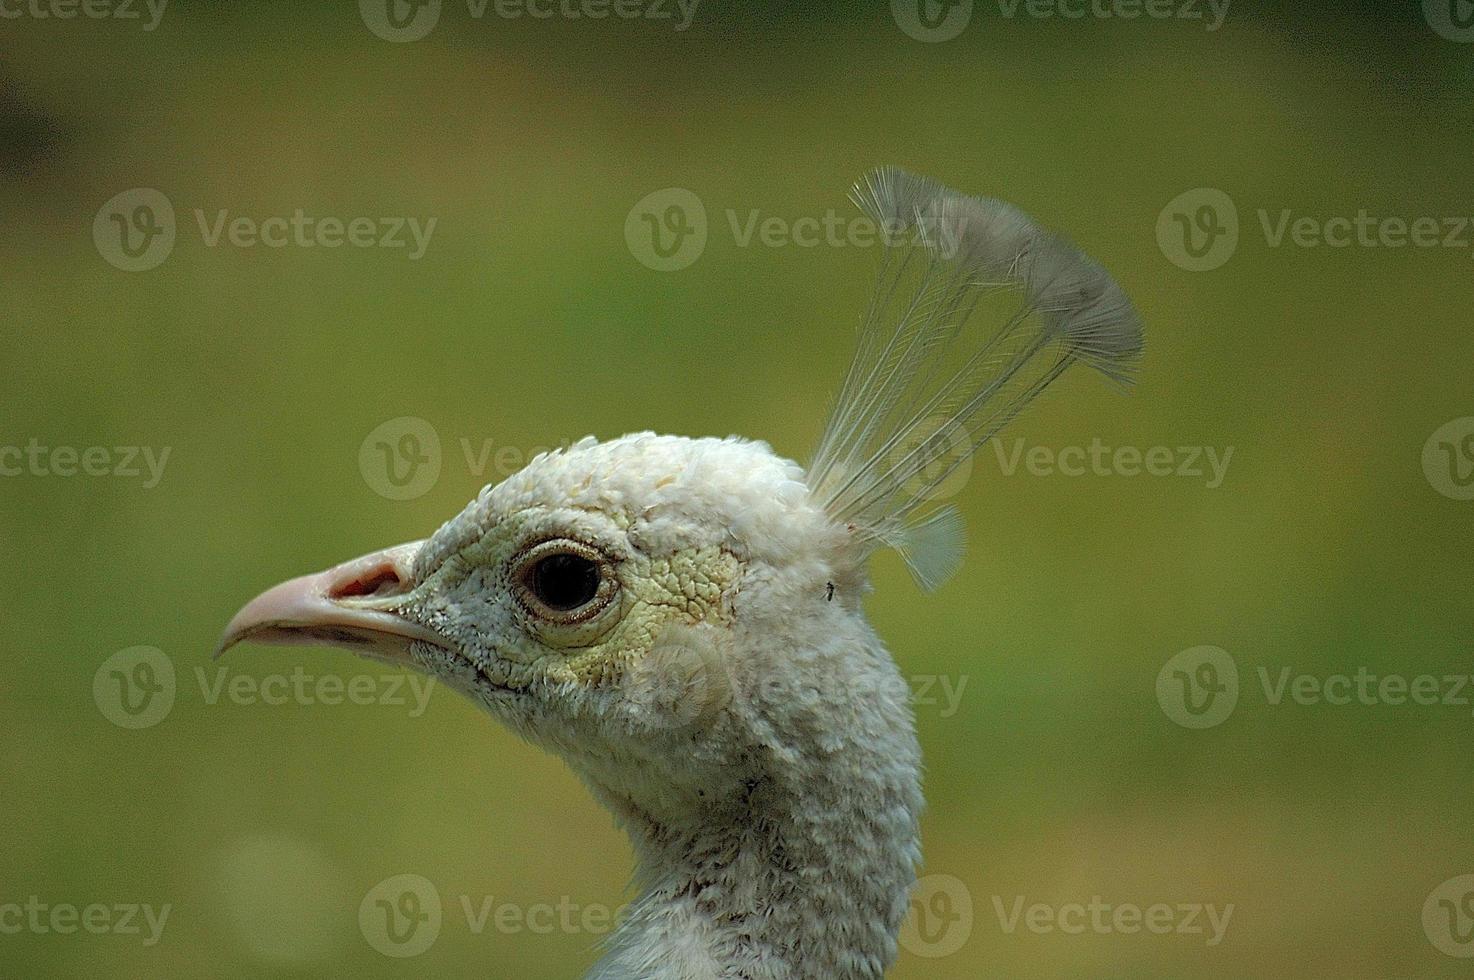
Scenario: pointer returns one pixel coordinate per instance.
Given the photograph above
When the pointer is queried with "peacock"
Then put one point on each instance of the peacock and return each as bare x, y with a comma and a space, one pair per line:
681, 619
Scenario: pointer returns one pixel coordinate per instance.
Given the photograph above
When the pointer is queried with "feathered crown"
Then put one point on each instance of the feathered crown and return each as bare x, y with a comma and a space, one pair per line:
925, 390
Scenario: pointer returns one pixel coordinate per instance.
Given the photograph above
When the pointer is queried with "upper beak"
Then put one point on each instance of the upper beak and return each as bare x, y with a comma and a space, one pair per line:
345, 606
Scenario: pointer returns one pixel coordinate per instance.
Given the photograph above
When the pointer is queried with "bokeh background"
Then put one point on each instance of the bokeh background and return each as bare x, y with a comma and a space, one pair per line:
1058, 774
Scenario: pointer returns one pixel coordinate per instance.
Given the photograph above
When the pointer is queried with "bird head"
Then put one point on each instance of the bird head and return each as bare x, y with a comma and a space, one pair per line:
680, 618
630, 605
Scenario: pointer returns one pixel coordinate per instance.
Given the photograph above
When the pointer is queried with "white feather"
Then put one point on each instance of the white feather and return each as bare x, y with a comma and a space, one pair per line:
930, 382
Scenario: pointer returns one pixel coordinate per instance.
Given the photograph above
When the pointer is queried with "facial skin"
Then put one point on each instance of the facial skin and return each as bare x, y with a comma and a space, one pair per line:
546, 671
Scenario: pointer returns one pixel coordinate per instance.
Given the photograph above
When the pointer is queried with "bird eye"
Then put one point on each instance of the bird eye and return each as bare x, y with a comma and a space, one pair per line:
564, 581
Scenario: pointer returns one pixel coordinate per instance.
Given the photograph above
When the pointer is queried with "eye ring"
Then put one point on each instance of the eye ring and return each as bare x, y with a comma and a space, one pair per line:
564, 582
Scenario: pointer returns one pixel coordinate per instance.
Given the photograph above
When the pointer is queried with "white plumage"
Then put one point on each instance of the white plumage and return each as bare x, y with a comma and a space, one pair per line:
680, 619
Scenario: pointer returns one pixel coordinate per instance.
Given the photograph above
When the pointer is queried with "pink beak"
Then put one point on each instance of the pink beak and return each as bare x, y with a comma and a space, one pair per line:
345, 606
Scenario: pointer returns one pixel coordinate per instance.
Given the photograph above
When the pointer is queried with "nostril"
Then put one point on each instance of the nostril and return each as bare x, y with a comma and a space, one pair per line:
381, 580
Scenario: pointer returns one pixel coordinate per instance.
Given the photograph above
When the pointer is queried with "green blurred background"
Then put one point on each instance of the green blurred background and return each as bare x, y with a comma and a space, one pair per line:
529, 322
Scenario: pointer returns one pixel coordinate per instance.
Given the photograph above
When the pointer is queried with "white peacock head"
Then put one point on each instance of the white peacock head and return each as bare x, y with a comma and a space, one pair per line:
653, 608
601, 602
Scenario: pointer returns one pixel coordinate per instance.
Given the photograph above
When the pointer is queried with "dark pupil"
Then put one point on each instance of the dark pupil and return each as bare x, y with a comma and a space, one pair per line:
565, 582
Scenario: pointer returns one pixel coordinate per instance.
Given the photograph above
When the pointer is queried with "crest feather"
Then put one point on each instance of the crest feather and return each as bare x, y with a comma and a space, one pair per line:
931, 382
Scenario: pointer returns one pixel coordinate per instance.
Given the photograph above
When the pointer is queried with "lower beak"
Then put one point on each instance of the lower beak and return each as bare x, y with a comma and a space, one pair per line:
346, 606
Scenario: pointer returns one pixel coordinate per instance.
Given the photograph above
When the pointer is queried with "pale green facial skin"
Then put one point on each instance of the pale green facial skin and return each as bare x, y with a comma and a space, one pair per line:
472, 600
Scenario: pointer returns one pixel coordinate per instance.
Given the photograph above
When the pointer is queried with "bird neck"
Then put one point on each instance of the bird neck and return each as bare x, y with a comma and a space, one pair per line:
807, 894
803, 871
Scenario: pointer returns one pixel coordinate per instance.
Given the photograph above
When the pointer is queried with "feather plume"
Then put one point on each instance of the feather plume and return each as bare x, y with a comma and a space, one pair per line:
935, 377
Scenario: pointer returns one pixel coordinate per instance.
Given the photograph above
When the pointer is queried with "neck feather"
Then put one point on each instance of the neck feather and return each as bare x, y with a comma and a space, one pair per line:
804, 871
